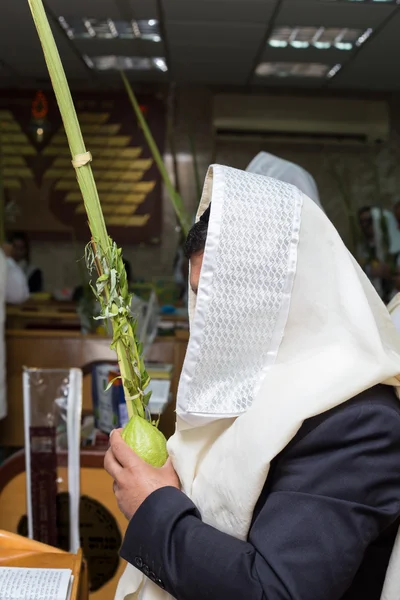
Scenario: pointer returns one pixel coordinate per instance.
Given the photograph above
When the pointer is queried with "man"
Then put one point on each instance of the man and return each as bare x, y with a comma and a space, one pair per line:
272, 166
284, 479
21, 254
380, 248
14, 290
396, 212
394, 311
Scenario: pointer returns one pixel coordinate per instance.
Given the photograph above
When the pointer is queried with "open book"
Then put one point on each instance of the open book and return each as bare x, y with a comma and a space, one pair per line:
20, 583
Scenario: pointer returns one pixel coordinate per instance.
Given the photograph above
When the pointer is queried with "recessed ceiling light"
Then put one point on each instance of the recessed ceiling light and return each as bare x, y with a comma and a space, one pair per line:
107, 29
322, 38
291, 69
125, 63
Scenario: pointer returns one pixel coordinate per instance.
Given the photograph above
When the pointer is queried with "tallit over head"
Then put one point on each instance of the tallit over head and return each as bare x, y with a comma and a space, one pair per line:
279, 296
272, 166
285, 326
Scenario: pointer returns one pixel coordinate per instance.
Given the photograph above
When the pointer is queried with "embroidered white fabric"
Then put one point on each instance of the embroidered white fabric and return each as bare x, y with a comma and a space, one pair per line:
254, 246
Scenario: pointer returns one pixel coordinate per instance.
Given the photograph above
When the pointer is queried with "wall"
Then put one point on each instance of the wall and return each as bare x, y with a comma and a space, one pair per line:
194, 114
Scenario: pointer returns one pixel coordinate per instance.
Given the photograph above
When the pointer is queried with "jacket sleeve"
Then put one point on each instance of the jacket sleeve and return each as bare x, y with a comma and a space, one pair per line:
17, 290
332, 493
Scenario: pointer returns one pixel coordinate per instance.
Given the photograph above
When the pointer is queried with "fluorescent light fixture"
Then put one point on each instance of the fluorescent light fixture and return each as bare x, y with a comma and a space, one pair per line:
77, 28
334, 71
88, 61
126, 63
291, 69
363, 38
161, 64
322, 38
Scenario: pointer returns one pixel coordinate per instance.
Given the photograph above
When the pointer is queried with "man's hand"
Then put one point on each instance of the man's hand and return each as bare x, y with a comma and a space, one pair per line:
134, 479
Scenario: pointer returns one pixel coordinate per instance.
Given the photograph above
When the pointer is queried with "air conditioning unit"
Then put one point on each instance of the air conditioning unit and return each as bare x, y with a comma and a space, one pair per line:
300, 119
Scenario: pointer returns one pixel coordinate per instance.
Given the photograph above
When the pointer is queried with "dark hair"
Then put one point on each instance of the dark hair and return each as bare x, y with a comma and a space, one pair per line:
397, 205
197, 236
19, 236
363, 210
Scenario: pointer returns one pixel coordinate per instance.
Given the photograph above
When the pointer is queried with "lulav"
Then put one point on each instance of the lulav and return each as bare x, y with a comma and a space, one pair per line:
111, 287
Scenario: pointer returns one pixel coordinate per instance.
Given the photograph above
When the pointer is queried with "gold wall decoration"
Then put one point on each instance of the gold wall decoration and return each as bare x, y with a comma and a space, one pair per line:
38, 175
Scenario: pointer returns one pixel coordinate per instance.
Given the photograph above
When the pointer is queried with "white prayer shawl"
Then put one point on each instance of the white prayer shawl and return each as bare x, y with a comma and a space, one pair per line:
285, 326
272, 166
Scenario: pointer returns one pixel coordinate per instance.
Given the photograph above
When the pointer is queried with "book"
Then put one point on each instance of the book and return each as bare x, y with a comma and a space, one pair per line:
20, 583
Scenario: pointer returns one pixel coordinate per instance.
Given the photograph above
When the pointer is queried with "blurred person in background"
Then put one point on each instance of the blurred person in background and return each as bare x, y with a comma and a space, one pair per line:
21, 254
379, 250
394, 311
13, 290
272, 166
181, 274
396, 212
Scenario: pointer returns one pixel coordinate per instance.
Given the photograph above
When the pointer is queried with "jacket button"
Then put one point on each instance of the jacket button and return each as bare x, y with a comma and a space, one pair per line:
146, 570
138, 562
152, 576
160, 584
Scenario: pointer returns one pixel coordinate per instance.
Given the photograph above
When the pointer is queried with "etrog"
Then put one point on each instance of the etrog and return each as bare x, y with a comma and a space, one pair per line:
146, 440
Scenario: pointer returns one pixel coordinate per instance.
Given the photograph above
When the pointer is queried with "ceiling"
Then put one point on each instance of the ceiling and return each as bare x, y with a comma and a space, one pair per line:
213, 42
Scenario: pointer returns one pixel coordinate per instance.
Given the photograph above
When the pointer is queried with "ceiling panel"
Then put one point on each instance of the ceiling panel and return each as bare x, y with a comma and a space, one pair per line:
96, 9
215, 34
228, 57
308, 83
377, 65
99, 47
332, 14
208, 41
242, 11
24, 55
202, 69
142, 9
100, 9
208, 76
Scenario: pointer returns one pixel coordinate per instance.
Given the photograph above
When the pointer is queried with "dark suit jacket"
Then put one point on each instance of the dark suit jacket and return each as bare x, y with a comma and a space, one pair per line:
323, 528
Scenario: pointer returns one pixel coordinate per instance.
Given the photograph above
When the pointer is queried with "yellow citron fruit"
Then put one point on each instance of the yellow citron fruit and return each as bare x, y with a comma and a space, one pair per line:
146, 440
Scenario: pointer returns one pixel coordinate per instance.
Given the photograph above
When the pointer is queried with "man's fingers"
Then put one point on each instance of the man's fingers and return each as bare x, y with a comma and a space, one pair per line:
121, 451
111, 464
